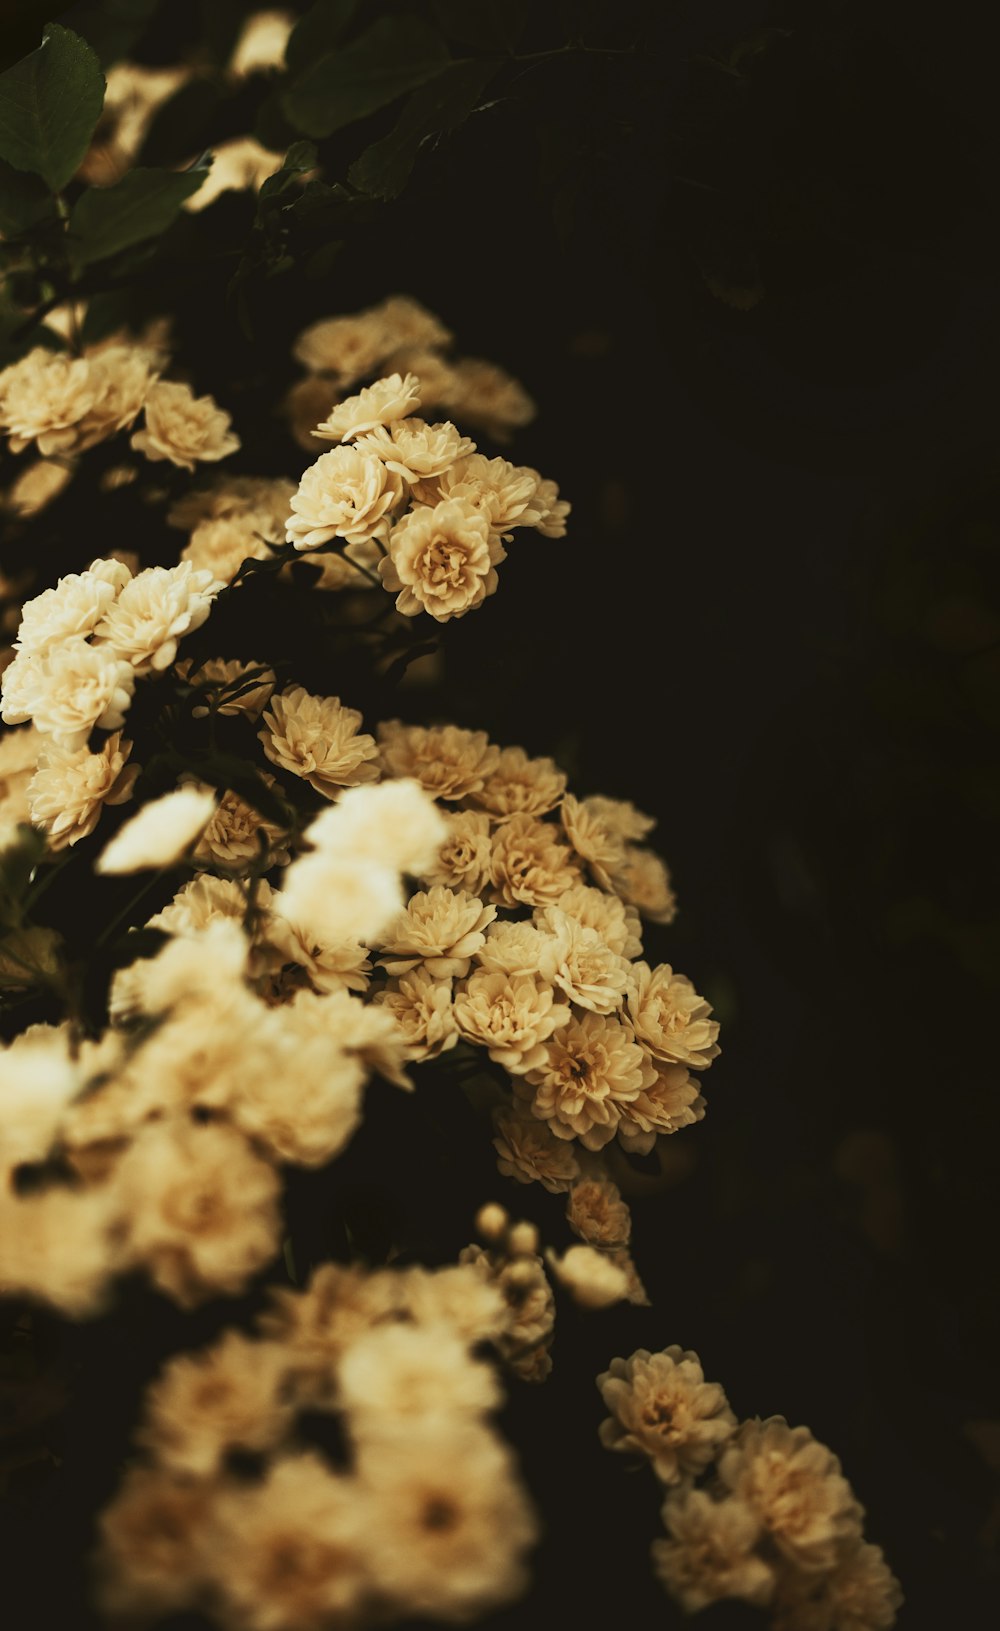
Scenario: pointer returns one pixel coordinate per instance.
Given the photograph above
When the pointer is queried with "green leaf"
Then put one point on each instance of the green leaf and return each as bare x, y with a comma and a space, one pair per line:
105, 220
392, 57
24, 201
318, 31
300, 158
50, 102
384, 168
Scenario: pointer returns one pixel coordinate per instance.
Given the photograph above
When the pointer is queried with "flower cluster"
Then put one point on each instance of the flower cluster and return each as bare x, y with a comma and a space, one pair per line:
400, 336
415, 501
774, 1521
65, 404
80, 649
424, 1514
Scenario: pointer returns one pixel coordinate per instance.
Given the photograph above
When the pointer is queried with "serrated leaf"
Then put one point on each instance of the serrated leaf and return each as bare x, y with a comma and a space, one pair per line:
50, 102
24, 201
392, 57
105, 220
384, 168
318, 31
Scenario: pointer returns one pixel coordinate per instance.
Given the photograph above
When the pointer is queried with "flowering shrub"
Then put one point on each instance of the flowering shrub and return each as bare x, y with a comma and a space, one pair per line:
291, 896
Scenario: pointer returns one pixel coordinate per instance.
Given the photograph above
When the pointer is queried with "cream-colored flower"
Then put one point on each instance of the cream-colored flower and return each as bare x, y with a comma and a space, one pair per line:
395, 824
662, 1407
529, 1153
643, 881
417, 451
362, 1030
183, 428
220, 546
261, 42
463, 861
449, 762
405, 322
287, 1553
485, 395
621, 817
458, 1295
347, 493
617, 924
531, 866
517, 948
436, 376
528, 1329
121, 377
672, 1101
238, 165
37, 486
669, 1018
74, 607
227, 497
237, 834
397, 1375
343, 966
305, 403
20, 751
591, 1073
511, 1015
229, 686
201, 1210
318, 739
442, 560
182, 972
592, 837
710, 1554
153, 613
317, 1326
583, 966
421, 1007
334, 898
499, 491
593, 1279
520, 786
160, 833
796, 1488
347, 348
860, 1593
71, 786
199, 902
453, 1521
152, 1558
38, 1078
43, 399
548, 510
306, 1105
383, 403
69, 689
440, 930
60, 1246
225, 1397
596, 1212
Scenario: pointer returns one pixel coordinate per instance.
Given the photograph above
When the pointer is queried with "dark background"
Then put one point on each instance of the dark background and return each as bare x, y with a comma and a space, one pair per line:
749, 271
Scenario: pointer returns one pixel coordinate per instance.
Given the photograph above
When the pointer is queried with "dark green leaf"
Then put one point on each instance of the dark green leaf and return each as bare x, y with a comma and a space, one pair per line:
318, 31
24, 201
395, 55
384, 168
49, 104
300, 158
105, 220
182, 124
112, 26
486, 25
